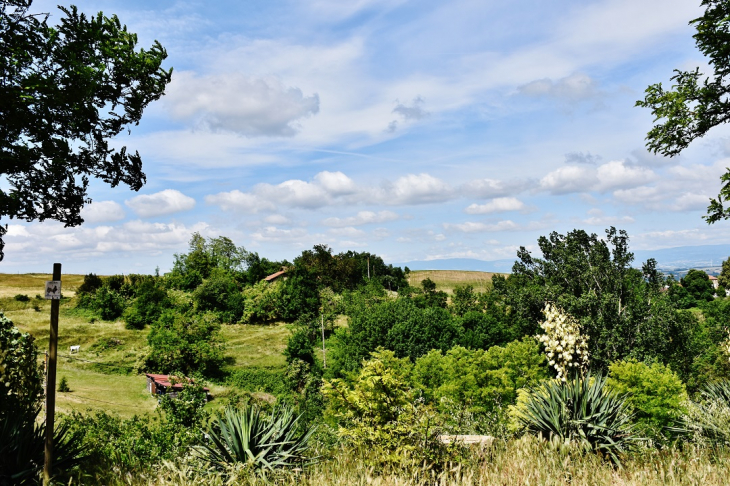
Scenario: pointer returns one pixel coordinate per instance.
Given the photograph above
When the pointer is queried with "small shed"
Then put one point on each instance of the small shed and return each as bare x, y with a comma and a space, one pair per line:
162, 385
276, 276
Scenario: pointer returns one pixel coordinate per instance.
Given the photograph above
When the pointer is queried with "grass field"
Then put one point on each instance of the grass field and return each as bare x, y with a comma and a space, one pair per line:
104, 375
447, 280
32, 284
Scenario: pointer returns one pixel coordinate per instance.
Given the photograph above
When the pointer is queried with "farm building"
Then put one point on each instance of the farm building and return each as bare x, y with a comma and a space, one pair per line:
161, 385
276, 276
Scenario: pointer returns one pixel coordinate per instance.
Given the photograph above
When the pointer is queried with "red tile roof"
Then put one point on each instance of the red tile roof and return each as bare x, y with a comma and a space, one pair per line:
274, 276
164, 380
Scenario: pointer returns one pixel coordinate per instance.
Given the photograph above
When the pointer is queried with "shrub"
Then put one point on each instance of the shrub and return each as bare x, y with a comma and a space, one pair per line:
246, 436
185, 409
22, 298
63, 385
381, 411
579, 411
20, 377
90, 285
654, 393
148, 306
220, 293
261, 302
479, 379
301, 346
256, 379
108, 303
185, 343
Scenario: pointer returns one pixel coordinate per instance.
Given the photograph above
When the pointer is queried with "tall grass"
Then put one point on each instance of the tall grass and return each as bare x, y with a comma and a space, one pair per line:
514, 462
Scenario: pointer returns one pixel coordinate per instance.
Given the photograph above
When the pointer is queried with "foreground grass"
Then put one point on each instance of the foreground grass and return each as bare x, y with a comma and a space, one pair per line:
515, 462
447, 280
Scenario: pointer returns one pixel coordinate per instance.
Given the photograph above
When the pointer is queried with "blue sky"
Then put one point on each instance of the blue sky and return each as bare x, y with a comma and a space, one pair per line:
414, 130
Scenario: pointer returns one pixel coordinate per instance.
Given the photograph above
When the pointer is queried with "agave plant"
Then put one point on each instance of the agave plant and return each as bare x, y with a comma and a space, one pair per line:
263, 442
580, 411
22, 443
708, 420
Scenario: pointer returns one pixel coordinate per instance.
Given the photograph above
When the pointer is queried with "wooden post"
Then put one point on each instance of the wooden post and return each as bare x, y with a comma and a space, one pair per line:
51, 381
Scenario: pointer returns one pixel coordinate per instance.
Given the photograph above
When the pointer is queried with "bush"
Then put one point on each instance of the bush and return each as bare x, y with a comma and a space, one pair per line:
480, 380
709, 419
580, 411
90, 285
246, 436
185, 343
20, 378
108, 303
255, 379
22, 298
148, 306
654, 393
185, 409
301, 346
220, 293
262, 302
63, 385
381, 412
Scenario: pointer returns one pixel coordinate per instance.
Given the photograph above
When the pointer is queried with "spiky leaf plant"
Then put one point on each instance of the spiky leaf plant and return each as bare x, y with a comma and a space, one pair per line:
247, 436
580, 411
708, 420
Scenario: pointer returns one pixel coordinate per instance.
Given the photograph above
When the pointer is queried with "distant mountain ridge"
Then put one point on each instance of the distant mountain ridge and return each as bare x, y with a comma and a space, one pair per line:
669, 260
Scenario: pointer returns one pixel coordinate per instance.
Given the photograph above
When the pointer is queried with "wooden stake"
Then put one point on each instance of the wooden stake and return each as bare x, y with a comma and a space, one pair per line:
324, 351
51, 381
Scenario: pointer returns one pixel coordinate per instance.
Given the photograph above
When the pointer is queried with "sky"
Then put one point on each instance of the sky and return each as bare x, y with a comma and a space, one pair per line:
413, 130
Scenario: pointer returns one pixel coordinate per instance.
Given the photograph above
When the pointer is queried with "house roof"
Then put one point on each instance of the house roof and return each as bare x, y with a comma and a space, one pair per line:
711, 277
274, 276
164, 380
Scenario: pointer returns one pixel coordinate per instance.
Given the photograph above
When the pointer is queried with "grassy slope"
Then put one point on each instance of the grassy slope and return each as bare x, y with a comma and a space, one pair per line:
100, 378
447, 280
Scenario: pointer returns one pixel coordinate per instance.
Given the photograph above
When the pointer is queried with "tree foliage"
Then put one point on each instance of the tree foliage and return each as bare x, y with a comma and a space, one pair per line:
621, 309
65, 92
696, 101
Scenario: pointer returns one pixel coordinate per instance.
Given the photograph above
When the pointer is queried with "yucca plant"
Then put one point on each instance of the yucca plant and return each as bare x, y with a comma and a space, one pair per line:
22, 443
263, 442
580, 411
708, 420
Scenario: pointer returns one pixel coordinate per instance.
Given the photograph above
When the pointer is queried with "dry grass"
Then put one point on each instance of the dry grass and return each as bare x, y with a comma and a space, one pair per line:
512, 463
447, 280
31, 284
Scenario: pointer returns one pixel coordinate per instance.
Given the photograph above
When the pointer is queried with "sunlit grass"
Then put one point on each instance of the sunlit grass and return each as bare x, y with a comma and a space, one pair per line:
447, 280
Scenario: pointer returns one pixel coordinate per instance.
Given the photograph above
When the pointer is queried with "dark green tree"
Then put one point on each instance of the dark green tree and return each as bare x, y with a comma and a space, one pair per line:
621, 310
696, 101
698, 285
724, 278
65, 92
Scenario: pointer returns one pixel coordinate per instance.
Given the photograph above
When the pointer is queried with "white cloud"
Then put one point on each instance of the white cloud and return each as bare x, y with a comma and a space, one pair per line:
598, 218
247, 105
416, 189
490, 188
616, 174
239, 202
362, 217
497, 205
335, 183
102, 212
582, 158
569, 179
160, 203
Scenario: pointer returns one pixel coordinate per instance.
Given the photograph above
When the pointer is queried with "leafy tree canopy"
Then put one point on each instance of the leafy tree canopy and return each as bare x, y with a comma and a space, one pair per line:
65, 92
696, 101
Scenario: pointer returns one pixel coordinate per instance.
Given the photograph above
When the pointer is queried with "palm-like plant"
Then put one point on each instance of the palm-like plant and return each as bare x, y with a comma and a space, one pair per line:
579, 411
264, 442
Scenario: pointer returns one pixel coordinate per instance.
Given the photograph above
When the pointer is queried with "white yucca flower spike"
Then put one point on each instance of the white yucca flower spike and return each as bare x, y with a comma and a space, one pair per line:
565, 346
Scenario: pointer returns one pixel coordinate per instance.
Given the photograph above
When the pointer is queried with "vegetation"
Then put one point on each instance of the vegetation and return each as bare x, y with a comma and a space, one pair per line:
66, 91
375, 377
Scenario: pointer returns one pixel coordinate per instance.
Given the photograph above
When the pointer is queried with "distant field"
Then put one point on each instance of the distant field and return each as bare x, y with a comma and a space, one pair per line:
31, 284
447, 280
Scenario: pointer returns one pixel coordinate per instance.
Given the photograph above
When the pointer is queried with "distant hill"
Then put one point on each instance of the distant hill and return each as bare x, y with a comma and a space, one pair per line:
670, 260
